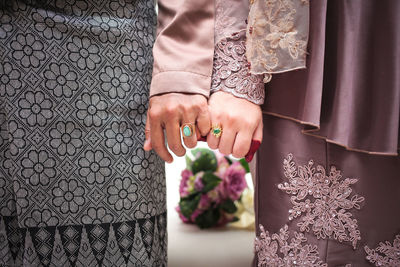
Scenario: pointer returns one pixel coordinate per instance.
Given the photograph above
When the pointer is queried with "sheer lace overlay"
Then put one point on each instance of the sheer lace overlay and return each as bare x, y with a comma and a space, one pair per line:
231, 72
385, 254
277, 35
291, 252
322, 200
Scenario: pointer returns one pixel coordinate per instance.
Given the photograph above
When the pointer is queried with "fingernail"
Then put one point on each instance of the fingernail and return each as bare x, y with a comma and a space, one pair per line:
255, 144
146, 142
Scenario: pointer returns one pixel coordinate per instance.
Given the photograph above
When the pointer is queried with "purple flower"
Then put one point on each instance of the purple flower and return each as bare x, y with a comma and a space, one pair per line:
234, 181
205, 202
223, 164
184, 185
198, 182
195, 214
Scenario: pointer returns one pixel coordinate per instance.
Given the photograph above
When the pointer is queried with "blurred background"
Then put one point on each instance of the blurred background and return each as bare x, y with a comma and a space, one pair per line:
189, 246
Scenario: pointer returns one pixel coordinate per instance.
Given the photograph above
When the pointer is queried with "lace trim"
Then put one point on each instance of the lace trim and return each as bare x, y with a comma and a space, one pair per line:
277, 35
231, 73
293, 253
322, 201
385, 254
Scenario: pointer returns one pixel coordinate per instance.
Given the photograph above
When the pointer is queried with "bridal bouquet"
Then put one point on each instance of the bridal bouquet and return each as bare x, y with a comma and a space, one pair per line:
211, 188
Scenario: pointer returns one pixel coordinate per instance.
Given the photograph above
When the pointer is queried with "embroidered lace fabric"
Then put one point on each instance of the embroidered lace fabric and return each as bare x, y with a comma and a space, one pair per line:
322, 200
277, 35
385, 254
292, 253
231, 73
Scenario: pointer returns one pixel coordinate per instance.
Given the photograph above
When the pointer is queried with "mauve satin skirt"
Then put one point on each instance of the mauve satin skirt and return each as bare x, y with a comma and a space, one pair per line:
349, 93
375, 218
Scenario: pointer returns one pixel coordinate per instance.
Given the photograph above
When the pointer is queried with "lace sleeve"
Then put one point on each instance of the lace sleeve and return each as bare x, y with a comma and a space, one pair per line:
231, 70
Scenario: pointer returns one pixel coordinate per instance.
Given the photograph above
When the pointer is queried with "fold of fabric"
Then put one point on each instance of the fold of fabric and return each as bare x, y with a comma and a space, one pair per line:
349, 94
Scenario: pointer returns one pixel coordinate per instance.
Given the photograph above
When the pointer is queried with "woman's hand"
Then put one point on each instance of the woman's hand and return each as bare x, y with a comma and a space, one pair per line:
240, 120
169, 112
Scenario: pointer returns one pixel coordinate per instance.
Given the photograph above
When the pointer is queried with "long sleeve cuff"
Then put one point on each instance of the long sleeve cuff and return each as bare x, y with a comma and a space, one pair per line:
183, 50
180, 82
231, 70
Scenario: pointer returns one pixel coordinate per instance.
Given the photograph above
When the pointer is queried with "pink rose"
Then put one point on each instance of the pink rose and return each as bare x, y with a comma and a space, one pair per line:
195, 214
184, 185
234, 181
205, 202
223, 164
198, 183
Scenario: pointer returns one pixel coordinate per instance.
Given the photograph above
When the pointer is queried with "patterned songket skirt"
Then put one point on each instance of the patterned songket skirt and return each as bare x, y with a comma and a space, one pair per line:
76, 187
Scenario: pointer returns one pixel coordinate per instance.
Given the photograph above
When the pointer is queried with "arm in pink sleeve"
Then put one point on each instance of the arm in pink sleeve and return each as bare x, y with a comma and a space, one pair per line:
183, 50
231, 71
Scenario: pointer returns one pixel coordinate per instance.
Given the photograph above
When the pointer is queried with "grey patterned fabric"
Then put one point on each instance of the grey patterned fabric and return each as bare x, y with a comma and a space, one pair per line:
76, 187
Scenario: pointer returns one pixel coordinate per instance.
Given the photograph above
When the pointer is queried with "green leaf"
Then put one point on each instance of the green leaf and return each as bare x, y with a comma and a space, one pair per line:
245, 165
228, 206
205, 160
208, 218
189, 162
189, 204
229, 160
210, 181
235, 219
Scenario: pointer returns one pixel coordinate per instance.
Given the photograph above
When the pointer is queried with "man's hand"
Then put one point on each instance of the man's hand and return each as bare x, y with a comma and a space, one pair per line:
168, 112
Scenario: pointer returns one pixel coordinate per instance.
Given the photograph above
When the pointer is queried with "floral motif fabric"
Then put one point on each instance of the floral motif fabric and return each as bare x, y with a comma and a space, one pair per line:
277, 35
76, 187
322, 200
231, 72
386, 254
277, 250
322, 203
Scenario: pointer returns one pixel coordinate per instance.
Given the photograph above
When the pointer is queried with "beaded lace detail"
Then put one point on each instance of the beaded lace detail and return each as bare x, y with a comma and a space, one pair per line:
231, 72
385, 254
323, 201
292, 253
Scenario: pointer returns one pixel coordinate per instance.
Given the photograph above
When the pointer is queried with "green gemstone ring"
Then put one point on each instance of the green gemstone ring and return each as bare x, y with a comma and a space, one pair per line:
216, 130
187, 129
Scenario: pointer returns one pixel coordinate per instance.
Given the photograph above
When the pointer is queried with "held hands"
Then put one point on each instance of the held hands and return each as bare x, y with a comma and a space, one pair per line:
168, 112
240, 121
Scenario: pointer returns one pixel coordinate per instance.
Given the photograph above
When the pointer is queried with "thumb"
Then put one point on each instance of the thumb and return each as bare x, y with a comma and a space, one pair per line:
147, 143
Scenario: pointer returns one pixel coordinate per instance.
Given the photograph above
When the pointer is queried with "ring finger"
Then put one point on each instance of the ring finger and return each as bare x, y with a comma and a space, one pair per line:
214, 136
188, 131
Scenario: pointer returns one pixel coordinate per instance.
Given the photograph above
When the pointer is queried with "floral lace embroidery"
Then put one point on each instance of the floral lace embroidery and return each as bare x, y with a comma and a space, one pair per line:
277, 34
323, 200
293, 253
385, 254
231, 73
223, 21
